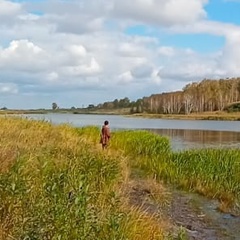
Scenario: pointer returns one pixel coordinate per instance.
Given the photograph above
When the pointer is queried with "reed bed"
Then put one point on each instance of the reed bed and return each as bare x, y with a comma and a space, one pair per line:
211, 172
141, 143
55, 185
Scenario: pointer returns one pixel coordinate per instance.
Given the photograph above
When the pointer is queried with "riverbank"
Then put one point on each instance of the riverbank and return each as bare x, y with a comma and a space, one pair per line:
123, 111
56, 182
222, 116
218, 115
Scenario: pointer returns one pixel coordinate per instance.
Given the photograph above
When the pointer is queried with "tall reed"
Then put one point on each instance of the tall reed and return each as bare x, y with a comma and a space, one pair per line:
56, 185
211, 172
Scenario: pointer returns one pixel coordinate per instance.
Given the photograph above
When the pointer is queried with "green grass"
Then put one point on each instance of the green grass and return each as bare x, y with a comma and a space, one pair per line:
141, 143
55, 184
211, 172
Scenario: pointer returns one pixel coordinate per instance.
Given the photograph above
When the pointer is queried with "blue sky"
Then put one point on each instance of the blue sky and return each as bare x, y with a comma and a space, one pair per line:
85, 52
224, 11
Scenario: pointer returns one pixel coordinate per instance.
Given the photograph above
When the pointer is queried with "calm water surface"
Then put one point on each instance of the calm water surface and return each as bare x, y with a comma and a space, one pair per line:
184, 134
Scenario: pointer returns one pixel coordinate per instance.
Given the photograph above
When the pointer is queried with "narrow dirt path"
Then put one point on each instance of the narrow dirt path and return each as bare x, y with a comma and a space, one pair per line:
182, 211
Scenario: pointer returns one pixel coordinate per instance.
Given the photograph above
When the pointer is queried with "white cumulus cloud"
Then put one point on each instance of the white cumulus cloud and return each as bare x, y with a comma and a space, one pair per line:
92, 68
161, 12
22, 55
100, 50
8, 8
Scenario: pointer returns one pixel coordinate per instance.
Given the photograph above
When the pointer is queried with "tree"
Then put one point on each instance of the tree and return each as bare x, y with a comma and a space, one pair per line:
54, 106
91, 106
115, 103
123, 103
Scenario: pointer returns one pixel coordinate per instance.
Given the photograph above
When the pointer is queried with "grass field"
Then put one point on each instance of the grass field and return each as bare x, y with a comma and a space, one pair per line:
57, 183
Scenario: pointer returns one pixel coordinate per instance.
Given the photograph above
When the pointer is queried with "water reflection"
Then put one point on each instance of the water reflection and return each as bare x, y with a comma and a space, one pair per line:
188, 139
190, 133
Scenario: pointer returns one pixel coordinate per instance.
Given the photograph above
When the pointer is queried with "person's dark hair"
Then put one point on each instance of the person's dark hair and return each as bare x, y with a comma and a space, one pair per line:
106, 122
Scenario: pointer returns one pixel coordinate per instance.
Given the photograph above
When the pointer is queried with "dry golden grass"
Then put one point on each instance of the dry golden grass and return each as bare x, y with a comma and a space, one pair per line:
146, 226
46, 153
141, 223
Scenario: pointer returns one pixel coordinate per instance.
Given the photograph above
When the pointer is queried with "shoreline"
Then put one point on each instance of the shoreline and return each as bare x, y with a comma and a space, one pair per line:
217, 116
220, 116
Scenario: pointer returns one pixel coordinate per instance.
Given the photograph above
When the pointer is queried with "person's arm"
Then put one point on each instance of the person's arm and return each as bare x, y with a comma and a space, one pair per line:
108, 132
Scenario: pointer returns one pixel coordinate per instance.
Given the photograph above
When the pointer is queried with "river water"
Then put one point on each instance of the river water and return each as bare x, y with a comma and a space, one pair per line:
184, 134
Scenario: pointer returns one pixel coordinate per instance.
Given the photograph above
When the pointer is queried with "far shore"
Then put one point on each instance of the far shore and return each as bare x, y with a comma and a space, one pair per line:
218, 115
223, 116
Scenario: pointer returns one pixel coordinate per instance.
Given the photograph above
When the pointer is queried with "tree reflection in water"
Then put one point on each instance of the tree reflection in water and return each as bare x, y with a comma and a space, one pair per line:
187, 139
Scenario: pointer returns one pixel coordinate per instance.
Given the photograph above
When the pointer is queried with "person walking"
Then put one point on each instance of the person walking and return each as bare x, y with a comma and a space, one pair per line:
105, 135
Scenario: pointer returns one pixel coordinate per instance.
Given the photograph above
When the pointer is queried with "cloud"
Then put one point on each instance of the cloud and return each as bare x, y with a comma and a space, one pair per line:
230, 58
156, 77
142, 71
206, 26
8, 88
28, 17
227, 62
92, 68
77, 50
76, 17
166, 51
77, 24
9, 9
22, 55
52, 77
125, 78
85, 49
161, 12
187, 65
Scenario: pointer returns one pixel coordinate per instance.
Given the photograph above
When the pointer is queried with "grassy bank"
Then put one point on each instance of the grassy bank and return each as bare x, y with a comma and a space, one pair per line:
211, 172
120, 111
57, 183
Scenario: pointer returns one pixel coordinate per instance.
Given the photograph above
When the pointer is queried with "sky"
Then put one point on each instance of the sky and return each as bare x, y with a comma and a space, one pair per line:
81, 52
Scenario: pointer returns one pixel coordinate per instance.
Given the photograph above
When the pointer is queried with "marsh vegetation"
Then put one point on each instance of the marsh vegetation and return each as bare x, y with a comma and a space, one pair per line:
57, 183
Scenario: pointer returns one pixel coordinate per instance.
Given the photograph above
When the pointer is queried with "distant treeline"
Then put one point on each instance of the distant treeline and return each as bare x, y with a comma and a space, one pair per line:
134, 106
196, 97
206, 95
